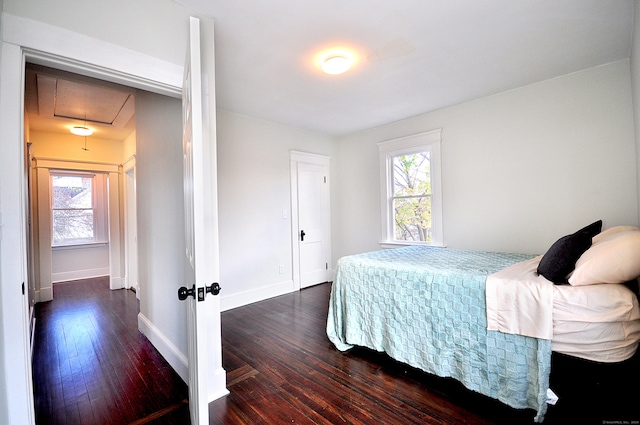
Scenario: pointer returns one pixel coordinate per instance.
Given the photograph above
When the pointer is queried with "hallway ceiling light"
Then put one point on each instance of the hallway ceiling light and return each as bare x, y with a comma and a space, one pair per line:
81, 131
336, 62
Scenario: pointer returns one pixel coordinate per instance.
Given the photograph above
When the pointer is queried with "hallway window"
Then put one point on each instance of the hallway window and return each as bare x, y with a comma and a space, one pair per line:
75, 208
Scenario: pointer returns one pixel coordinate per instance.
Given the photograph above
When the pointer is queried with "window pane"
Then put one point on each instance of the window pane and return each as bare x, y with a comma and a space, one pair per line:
412, 174
72, 192
72, 211
412, 218
72, 225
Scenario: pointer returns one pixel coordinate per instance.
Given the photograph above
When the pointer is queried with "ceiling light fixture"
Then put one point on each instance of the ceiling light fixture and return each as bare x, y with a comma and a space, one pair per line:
336, 62
81, 131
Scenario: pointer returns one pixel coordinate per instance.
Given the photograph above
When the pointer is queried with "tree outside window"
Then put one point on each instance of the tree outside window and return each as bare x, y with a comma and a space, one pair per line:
412, 197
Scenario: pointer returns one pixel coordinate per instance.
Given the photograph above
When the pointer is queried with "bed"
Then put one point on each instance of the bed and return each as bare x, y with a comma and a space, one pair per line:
427, 307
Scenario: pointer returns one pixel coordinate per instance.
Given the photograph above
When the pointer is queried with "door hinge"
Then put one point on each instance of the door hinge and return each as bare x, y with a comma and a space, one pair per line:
325, 179
326, 266
22, 288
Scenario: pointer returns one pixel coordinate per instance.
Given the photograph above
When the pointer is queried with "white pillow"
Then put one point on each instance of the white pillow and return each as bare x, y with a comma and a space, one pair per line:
610, 231
615, 258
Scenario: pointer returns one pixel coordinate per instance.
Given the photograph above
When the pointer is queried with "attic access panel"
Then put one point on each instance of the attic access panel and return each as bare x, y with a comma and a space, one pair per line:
62, 98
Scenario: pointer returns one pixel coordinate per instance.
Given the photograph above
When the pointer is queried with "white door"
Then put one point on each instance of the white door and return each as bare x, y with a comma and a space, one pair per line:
313, 217
201, 235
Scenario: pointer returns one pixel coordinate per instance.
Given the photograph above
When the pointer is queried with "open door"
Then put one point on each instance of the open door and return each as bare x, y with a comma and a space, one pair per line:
206, 377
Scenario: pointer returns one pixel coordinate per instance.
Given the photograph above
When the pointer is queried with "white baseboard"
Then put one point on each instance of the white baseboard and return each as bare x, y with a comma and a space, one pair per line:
218, 388
44, 294
33, 332
176, 359
79, 274
116, 283
228, 302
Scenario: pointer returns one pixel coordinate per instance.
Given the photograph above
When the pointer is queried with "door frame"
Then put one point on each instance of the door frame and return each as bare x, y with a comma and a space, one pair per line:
297, 157
28, 40
130, 227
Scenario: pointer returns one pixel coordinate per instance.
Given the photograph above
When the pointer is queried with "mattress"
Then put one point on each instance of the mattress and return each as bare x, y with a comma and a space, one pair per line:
596, 322
599, 322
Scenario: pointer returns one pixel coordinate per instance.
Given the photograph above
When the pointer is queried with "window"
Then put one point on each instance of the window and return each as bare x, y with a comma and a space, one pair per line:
77, 208
411, 190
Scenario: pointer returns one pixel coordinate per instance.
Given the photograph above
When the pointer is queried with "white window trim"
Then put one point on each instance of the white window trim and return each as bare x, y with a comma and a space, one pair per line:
429, 140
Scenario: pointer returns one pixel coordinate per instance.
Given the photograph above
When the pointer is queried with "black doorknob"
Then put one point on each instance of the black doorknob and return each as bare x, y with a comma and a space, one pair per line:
302, 233
184, 293
213, 289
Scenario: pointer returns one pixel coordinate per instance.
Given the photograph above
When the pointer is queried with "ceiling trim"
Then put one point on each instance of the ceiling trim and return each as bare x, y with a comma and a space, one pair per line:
99, 72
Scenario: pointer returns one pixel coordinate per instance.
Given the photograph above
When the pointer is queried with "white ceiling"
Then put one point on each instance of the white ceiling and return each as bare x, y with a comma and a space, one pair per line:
412, 56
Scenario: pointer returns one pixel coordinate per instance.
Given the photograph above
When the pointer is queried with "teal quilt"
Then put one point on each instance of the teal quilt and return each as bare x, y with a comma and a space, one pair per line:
425, 306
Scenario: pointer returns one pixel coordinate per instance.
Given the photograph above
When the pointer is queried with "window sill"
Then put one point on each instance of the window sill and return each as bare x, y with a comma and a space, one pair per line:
79, 245
398, 244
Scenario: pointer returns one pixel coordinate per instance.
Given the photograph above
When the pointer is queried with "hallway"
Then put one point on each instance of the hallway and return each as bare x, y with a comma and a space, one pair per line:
92, 366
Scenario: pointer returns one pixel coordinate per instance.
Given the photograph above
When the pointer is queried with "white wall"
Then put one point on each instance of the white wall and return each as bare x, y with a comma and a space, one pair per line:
4, 408
70, 148
128, 147
72, 263
155, 27
635, 83
161, 252
519, 169
254, 189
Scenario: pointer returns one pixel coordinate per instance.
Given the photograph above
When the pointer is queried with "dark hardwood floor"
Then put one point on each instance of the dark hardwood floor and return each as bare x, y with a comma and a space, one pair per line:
281, 368
92, 366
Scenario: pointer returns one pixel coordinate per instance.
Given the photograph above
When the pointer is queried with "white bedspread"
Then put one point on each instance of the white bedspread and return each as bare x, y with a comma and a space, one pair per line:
519, 301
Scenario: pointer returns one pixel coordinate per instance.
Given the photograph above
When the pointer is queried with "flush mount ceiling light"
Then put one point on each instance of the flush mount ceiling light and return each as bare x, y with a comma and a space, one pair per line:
336, 62
81, 131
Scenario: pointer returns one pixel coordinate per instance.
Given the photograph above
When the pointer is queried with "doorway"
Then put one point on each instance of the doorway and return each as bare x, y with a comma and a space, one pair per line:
84, 342
39, 43
77, 193
155, 161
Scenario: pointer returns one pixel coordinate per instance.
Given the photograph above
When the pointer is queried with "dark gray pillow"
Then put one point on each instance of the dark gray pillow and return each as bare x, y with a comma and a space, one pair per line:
560, 259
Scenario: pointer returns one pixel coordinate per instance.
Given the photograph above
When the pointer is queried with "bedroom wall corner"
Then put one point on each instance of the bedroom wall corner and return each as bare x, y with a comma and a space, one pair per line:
358, 197
253, 193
